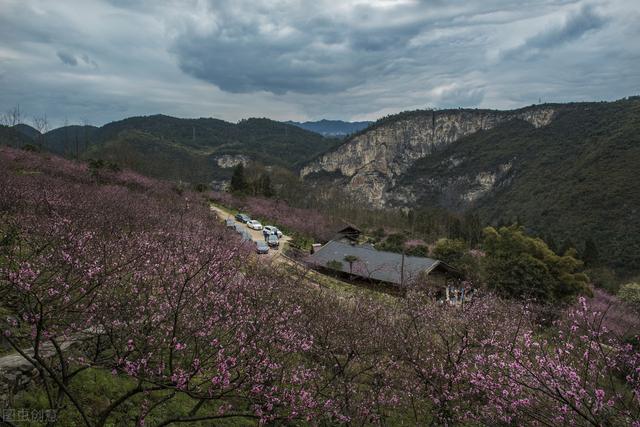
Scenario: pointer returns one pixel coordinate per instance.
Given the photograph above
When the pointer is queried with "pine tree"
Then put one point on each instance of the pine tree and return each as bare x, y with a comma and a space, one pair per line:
590, 254
265, 185
238, 181
454, 228
551, 243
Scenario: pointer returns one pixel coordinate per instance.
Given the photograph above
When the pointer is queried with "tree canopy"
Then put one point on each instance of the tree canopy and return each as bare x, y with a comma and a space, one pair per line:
238, 182
521, 266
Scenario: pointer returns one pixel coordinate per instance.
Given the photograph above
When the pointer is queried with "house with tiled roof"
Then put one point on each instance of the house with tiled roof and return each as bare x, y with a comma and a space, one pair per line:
365, 262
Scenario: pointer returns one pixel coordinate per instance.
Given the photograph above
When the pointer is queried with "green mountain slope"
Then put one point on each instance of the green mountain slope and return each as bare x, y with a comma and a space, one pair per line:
576, 178
26, 130
332, 127
195, 150
14, 136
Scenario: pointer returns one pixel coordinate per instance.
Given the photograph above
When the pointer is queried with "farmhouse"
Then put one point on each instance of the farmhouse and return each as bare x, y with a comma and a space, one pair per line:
348, 234
365, 262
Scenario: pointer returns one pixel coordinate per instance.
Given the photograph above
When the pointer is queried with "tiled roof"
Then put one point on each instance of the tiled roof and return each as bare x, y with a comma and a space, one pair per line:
373, 264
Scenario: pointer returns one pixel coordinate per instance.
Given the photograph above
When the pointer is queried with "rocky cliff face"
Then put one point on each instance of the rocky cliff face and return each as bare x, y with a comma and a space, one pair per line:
369, 164
227, 161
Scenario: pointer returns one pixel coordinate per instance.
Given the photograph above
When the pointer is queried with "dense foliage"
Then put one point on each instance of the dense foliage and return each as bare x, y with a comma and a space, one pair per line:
630, 294
518, 265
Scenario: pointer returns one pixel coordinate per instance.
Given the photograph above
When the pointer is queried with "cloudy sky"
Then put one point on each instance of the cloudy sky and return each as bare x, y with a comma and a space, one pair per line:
304, 60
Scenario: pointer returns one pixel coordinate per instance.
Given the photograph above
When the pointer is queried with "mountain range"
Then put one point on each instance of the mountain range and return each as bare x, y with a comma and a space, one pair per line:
332, 127
568, 172
564, 170
193, 150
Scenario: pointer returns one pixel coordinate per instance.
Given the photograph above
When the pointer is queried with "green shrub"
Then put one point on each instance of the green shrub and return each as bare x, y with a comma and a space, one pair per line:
449, 250
630, 293
517, 265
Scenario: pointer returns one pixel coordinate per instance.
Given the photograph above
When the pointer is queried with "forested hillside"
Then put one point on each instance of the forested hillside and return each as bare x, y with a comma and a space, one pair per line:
573, 180
332, 127
193, 150
568, 172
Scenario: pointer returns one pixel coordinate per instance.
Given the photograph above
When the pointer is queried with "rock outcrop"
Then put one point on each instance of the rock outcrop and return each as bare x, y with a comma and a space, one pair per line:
230, 161
368, 164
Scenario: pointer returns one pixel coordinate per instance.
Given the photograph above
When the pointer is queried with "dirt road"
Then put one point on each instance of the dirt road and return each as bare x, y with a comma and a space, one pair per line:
255, 234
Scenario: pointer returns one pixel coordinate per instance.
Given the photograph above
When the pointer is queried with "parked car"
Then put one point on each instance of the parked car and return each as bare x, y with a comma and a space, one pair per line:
243, 218
272, 240
262, 247
245, 235
254, 224
239, 228
230, 223
270, 229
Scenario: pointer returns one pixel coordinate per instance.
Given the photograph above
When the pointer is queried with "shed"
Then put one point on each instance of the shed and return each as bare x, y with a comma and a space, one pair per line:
347, 234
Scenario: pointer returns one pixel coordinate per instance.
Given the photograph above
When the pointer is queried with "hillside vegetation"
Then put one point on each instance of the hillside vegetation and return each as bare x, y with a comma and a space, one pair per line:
572, 180
181, 149
332, 127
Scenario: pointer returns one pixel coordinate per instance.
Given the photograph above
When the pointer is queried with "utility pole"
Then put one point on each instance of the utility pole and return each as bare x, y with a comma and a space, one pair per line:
67, 149
402, 269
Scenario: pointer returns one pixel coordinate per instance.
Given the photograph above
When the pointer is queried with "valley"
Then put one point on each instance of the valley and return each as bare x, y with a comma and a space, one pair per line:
303, 213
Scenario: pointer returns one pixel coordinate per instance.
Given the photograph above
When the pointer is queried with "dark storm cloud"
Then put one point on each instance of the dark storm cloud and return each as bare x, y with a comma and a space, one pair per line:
294, 59
575, 26
67, 58
308, 50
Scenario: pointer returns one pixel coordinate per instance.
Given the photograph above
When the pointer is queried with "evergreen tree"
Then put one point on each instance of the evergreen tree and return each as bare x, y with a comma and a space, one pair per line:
449, 251
238, 181
518, 265
265, 185
567, 245
472, 228
551, 242
454, 228
590, 254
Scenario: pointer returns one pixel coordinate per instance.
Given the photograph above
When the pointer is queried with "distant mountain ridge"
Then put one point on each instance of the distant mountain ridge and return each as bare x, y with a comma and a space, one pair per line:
332, 127
193, 150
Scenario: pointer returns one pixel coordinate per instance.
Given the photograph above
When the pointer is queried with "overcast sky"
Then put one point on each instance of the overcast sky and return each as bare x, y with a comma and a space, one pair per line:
304, 60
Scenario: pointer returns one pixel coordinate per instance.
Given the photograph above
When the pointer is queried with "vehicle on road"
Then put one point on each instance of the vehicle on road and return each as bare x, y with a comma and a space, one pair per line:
270, 229
262, 247
254, 224
272, 241
230, 223
243, 218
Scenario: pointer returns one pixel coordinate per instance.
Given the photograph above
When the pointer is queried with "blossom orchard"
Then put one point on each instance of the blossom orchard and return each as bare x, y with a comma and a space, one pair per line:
155, 291
120, 273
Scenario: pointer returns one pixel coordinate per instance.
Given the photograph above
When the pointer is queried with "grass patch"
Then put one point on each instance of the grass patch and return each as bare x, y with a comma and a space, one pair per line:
97, 388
